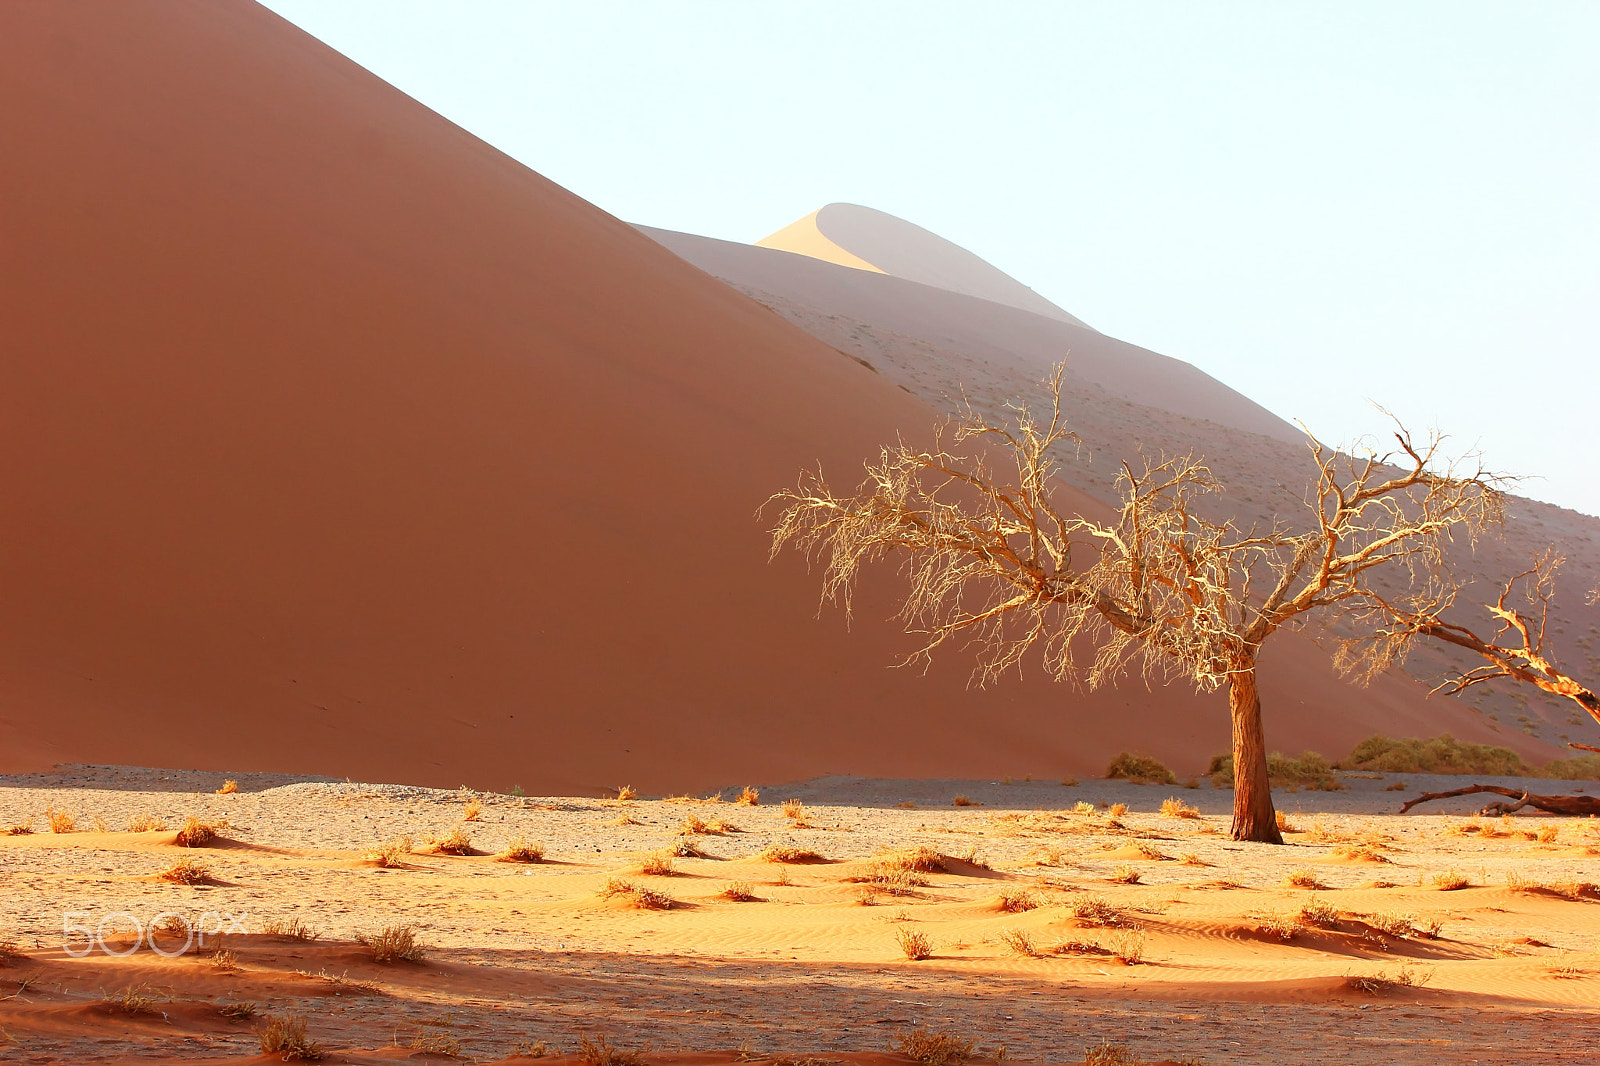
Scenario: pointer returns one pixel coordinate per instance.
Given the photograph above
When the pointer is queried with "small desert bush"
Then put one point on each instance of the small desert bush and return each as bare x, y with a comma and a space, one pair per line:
1106, 1053
793, 809
961, 801
696, 826
788, 853
915, 945
750, 797
1392, 924
657, 864
1096, 910
1318, 914
10, 954
228, 788
626, 792
1118, 810
1360, 853
60, 821
1548, 834
1284, 825
473, 811
1173, 807
134, 999
1276, 925
520, 849
393, 854
684, 848
1381, 982
17, 829
393, 943
436, 1042
1451, 880
740, 892
1303, 877
1579, 768
1141, 769
456, 842
1125, 875
186, 872
1126, 947
1443, 754
242, 1010
146, 823
636, 894
1017, 900
199, 834
1019, 941
284, 1035
601, 1052
1191, 859
937, 1048
290, 927
224, 962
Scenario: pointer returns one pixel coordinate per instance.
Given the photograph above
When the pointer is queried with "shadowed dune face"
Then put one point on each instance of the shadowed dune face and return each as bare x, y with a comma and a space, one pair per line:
860, 237
340, 443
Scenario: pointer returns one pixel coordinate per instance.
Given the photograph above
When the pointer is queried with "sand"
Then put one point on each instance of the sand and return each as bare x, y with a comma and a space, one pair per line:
531, 952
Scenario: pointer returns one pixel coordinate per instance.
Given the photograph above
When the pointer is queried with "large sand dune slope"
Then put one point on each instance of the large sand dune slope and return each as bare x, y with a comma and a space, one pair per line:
338, 442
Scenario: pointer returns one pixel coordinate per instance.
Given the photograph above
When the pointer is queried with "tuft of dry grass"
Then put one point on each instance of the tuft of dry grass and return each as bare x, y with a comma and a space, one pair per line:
1106, 1053
186, 872
17, 829
1360, 853
291, 927
1393, 924
793, 809
1017, 900
393, 854
1284, 825
284, 1035
228, 788
436, 1042
10, 954
134, 999
939, 1047
1125, 875
638, 895
1019, 942
601, 1052
60, 821
1173, 807
1398, 786
1097, 910
1119, 810
626, 792
1303, 877
962, 801
1275, 925
1318, 914
697, 826
1381, 982
657, 864
457, 842
740, 892
1126, 947
198, 834
393, 943
520, 849
1191, 859
473, 811
788, 854
1451, 880
146, 823
624, 819
750, 797
240, 1011
914, 945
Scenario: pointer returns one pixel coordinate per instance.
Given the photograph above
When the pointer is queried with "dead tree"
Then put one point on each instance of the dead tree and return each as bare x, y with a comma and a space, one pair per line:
1576, 806
1158, 590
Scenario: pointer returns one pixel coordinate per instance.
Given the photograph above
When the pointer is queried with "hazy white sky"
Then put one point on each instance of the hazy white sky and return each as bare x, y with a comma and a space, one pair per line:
1318, 204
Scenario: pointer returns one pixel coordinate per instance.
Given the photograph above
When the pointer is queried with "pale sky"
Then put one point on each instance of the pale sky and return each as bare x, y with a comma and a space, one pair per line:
1318, 204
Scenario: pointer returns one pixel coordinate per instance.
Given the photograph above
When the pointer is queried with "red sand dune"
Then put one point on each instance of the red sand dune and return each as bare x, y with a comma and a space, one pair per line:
339, 442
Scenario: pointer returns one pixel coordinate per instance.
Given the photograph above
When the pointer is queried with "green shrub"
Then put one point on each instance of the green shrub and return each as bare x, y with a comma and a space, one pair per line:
1579, 768
1140, 768
1443, 754
1310, 770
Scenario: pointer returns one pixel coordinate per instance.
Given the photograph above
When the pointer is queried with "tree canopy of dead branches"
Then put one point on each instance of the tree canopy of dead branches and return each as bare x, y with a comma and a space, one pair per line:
992, 557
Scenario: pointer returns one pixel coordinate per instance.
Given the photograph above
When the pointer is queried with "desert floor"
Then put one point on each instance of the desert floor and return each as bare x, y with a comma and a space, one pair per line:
1040, 945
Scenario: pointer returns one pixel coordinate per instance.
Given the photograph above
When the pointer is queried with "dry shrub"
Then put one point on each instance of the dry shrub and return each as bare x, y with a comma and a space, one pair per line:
284, 1035
695, 825
228, 788
1303, 877
740, 892
1126, 947
436, 1042
1398, 786
1017, 900
940, 1047
1380, 982
788, 853
1106, 1053
684, 848
1318, 914
1125, 875
1141, 770
601, 1052
961, 801
1069, 781
225, 962
240, 1011
638, 895
1548, 834
10, 954
17, 829
1360, 853
520, 849
793, 809
1082, 807
1096, 910
60, 821
473, 811
1284, 825
186, 872
1451, 880
915, 945
198, 834
1119, 810
1150, 851
1020, 942
1442, 755
1393, 924
626, 792
146, 823
134, 999
529, 1049
393, 854
393, 943
1275, 925
624, 819
750, 797
657, 864
291, 927
456, 843
1173, 807
1191, 859
922, 859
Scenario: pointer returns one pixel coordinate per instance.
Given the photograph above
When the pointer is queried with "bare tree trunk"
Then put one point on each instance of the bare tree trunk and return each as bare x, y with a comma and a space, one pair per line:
1253, 815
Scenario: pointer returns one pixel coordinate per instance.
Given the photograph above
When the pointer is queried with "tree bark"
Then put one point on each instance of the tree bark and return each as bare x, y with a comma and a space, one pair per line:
1254, 817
